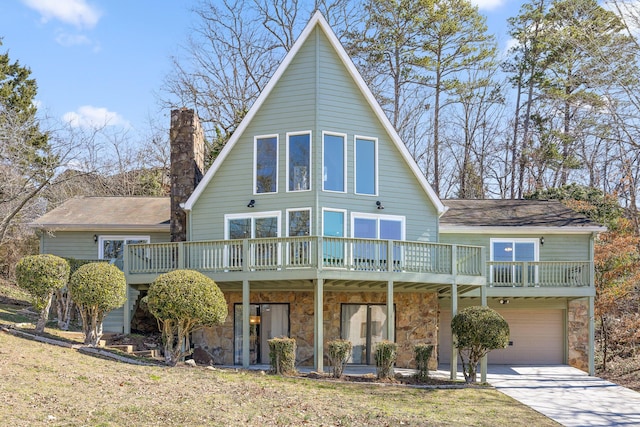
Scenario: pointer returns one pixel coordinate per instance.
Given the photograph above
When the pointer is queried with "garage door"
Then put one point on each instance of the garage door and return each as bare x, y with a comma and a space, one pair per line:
536, 337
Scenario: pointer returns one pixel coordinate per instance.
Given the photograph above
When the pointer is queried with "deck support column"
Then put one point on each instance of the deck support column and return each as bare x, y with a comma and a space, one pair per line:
591, 315
454, 350
483, 361
246, 311
391, 333
318, 326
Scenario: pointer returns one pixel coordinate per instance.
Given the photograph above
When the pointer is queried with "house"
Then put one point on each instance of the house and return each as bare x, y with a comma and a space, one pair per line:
316, 223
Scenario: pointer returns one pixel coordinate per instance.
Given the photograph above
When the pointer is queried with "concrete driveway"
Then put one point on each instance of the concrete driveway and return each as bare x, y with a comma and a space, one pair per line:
568, 395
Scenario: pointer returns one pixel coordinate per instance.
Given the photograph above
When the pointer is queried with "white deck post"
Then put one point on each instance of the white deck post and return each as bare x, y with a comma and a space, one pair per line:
391, 333
483, 361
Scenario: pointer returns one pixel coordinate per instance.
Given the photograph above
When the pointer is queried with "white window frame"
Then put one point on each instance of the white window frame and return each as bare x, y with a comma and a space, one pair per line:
253, 216
344, 222
124, 238
514, 240
289, 134
401, 218
344, 147
298, 210
255, 162
355, 164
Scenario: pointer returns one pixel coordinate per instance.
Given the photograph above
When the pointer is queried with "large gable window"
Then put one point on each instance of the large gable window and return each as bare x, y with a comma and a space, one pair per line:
333, 162
509, 257
366, 165
266, 164
299, 161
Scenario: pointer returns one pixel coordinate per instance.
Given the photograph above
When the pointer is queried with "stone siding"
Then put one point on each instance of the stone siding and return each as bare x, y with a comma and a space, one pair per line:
578, 333
416, 322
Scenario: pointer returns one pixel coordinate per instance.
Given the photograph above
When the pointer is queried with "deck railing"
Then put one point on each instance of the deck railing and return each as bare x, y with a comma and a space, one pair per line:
306, 252
539, 274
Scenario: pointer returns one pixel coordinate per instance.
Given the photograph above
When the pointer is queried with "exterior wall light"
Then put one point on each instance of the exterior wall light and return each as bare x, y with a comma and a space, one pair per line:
379, 204
251, 204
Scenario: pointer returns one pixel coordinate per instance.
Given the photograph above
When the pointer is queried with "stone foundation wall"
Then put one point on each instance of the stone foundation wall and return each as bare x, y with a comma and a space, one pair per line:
578, 333
416, 322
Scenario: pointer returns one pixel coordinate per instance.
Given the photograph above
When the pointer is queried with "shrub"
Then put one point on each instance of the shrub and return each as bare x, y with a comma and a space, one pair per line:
478, 330
386, 353
282, 355
41, 275
339, 353
184, 301
422, 355
64, 303
97, 288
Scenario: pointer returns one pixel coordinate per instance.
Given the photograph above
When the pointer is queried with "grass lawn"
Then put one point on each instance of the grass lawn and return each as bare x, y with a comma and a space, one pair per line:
43, 384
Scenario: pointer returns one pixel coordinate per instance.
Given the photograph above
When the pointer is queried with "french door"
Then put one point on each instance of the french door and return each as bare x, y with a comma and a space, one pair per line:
365, 325
266, 321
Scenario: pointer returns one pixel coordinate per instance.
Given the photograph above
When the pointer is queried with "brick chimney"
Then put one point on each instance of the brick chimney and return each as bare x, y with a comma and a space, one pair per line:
187, 166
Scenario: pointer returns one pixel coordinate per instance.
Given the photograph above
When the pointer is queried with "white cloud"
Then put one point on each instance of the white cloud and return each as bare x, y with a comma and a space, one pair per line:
66, 39
488, 4
74, 12
89, 116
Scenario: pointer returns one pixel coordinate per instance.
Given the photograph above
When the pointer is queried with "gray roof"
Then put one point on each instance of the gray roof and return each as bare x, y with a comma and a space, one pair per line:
514, 213
115, 213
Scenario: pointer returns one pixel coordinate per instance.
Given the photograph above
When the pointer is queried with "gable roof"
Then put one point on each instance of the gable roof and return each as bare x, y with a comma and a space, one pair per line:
481, 216
108, 213
318, 21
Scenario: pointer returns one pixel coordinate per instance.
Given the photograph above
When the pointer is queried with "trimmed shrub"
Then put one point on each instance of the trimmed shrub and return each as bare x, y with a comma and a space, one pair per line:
339, 353
282, 355
41, 275
386, 354
97, 288
422, 355
184, 301
478, 330
63, 301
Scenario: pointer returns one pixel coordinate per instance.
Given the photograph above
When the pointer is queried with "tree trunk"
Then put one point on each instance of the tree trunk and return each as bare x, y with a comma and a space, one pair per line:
63, 308
44, 316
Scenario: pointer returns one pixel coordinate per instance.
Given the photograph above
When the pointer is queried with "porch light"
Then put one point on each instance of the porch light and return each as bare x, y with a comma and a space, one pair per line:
504, 301
95, 238
251, 204
379, 204
541, 240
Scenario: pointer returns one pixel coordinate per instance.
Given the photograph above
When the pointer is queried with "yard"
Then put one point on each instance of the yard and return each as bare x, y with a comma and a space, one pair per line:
44, 384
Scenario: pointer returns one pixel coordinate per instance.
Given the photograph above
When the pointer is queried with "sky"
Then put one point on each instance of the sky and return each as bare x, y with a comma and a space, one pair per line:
102, 62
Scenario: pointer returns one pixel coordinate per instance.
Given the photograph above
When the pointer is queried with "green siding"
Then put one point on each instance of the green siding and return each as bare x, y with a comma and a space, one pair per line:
557, 247
315, 93
80, 244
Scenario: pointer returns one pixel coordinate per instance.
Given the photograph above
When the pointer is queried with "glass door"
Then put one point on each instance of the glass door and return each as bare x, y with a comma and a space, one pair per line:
365, 325
266, 321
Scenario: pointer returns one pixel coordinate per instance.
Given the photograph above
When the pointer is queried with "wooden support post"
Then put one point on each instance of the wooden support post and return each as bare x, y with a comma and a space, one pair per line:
391, 333
483, 361
454, 350
246, 311
318, 336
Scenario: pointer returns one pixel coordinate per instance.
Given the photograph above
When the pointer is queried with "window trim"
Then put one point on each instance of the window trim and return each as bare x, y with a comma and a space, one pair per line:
345, 162
102, 238
253, 216
287, 211
344, 220
288, 135
401, 218
255, 162
355, 164
534, 240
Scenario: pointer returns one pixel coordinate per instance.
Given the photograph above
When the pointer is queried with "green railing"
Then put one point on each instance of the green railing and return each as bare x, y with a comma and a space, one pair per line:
539, 274
311, 252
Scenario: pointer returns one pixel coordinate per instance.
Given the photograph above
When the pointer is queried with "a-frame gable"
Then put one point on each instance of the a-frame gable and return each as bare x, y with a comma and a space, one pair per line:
318, 21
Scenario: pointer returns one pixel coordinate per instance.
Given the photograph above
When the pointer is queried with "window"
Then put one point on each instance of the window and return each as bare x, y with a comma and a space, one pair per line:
507, 256
373, 255
333, 226
299, 250
299, 222
112, 247
366, 166
266, 164
333, 162
299, 161
260, 225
